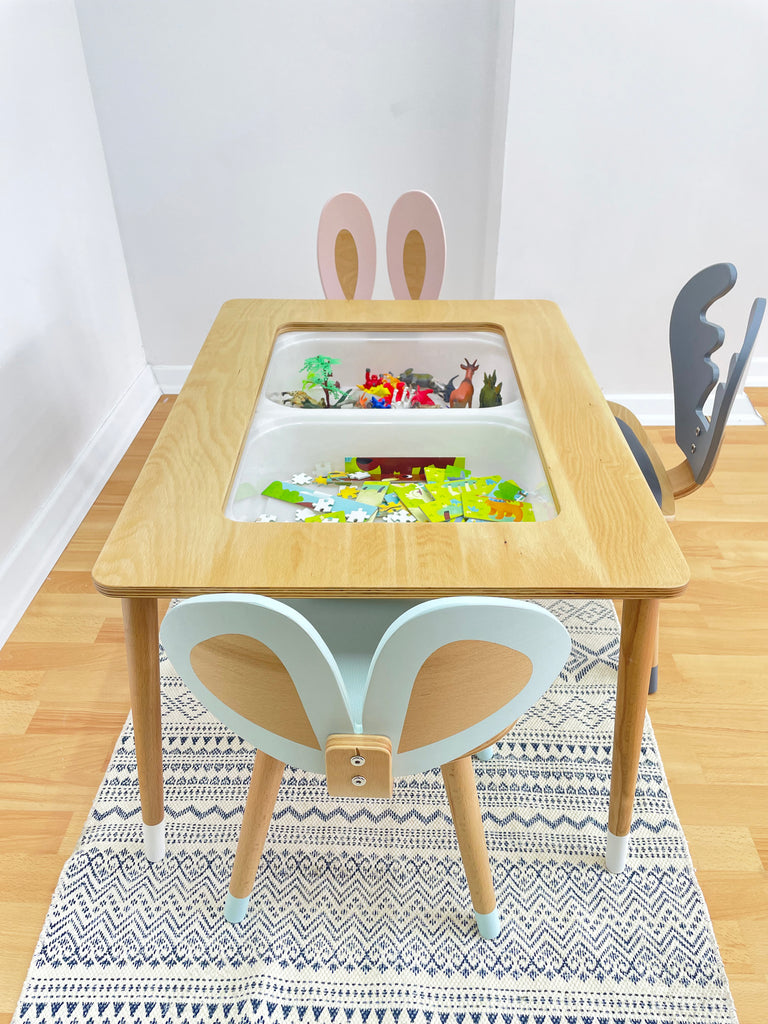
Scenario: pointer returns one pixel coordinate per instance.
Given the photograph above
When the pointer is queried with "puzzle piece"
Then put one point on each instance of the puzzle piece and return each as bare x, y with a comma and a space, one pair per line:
326, 517
372, 494
482, 506
244, 491
358, 516
401, 516
440, 490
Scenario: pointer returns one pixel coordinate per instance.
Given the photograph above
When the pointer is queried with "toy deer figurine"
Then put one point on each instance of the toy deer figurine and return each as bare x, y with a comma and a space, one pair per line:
461, 397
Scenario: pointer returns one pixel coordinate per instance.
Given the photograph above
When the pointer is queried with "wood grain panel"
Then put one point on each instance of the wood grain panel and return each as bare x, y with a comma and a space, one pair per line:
345, 253
250, 678
609, 537
414, 263
458, 686
376, 769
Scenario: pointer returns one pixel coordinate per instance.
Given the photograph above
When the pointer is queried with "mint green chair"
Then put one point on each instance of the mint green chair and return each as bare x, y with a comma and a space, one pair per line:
363, 691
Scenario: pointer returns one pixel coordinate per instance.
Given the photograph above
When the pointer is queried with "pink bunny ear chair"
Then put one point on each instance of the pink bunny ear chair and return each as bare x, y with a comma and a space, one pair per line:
346, 248
415, 247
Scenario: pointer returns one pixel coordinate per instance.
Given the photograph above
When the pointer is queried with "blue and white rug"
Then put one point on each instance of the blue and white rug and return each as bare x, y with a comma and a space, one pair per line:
361, 913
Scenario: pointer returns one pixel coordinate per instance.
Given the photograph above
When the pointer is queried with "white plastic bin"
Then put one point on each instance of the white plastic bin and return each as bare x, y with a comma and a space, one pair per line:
283, 441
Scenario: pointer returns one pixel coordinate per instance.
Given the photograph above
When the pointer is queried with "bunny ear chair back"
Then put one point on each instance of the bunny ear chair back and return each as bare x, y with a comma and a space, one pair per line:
346, 248
363, 691
415, 247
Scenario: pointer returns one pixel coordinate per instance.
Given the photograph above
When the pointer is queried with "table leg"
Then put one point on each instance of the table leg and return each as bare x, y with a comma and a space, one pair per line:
142, 646
638, 633
653, 682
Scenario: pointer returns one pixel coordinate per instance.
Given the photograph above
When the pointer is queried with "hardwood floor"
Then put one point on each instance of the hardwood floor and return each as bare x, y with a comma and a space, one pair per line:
63, 700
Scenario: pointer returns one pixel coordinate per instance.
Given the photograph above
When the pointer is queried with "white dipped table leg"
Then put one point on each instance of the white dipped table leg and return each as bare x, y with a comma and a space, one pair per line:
154, 841
616, 849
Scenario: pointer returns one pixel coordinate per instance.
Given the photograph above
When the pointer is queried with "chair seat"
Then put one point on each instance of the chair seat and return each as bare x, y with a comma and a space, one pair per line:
642, 459
646, 457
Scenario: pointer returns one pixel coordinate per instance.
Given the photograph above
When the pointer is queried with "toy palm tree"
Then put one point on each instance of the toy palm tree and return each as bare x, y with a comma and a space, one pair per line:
319, 374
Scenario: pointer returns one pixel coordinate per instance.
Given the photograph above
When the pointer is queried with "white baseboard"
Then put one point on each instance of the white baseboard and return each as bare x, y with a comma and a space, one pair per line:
24, 570
171, 378
757, 375
659, 410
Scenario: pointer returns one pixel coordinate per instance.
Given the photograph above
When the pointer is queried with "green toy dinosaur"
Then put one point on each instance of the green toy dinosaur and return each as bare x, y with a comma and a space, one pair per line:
490, 392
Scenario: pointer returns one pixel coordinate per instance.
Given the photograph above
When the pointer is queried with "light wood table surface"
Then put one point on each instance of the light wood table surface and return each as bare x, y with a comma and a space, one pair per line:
608, 540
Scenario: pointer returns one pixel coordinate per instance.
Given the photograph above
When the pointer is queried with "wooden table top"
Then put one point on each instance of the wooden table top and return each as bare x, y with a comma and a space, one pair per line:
609, 538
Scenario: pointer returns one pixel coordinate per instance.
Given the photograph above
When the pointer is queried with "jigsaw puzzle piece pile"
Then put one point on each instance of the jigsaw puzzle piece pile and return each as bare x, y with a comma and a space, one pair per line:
398, 490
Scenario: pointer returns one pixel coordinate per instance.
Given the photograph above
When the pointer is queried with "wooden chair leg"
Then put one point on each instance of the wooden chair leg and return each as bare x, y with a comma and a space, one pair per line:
262, 794
459, 778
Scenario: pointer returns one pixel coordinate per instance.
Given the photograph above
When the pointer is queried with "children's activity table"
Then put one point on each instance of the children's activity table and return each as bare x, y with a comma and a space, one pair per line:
599, 534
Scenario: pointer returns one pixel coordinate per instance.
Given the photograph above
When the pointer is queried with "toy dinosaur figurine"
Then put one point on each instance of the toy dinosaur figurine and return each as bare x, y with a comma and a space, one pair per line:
490, 392
446, 390
421, 398
461, 397
301, 399
424, 380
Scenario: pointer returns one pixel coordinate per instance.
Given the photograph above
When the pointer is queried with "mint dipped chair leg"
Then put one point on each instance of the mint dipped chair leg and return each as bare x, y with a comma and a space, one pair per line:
365, 691
262, 794
486, 754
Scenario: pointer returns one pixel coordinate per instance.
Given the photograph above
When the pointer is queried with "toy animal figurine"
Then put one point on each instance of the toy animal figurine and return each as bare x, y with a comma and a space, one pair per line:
416, 380
447, 391
423, 380
461, 397
302, 400
421, 397
490, 392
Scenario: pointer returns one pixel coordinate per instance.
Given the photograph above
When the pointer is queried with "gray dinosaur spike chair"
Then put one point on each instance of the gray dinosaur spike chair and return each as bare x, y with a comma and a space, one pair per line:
692, 340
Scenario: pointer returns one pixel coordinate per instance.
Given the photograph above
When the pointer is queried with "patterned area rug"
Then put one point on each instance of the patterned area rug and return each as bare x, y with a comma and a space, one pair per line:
361, 913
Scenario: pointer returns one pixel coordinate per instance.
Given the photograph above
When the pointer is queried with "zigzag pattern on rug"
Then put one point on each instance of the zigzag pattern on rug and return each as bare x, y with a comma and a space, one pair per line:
360, 913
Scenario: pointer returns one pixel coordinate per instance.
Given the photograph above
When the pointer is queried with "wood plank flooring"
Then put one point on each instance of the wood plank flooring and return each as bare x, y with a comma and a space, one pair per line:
64, 698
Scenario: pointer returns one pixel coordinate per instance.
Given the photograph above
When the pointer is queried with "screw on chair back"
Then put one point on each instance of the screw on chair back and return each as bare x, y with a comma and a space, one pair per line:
415, 247
420, 685
346, 248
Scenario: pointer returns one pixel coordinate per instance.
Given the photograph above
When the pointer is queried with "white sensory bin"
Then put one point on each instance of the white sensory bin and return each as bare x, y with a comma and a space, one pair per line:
284, 441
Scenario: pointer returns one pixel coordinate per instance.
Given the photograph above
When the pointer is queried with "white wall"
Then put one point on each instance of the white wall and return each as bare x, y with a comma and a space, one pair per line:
636, 154
226, 127
72, 381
